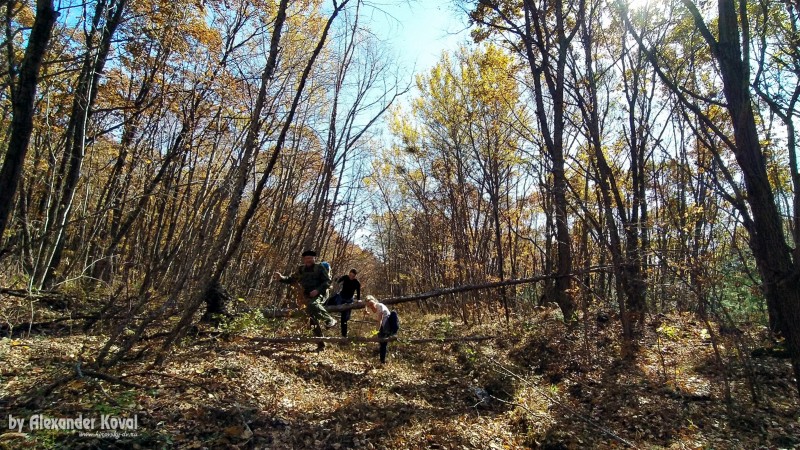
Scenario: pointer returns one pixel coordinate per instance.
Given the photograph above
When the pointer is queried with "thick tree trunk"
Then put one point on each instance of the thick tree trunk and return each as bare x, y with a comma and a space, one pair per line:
564, 241
779, 273
23, 102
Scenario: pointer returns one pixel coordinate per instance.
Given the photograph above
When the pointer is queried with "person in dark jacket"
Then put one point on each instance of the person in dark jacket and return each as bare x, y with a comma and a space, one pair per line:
314, 279
351, 288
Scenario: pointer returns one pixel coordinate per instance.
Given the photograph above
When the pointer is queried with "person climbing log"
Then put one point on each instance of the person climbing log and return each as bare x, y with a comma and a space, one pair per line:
314, 279
351, 288
388, 323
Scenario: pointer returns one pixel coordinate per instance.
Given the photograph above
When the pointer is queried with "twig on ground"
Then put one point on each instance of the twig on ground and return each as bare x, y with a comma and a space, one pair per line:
568, 409
310, 339
34, 399
112, 379
169, 375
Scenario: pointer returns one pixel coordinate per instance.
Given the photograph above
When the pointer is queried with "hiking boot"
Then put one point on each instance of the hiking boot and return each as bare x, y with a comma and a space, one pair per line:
330, 323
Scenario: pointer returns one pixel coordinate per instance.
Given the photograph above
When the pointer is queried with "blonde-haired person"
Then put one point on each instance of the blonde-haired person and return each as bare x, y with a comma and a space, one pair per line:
388, 322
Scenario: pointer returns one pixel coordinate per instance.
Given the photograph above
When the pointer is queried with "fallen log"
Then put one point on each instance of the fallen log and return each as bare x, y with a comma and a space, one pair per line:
430, 294
7, 330
334, 340
775, 352
52, 299
23, 293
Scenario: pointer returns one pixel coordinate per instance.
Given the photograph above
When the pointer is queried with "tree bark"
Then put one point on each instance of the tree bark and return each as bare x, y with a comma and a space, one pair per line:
553, 73
23, 103
779, 272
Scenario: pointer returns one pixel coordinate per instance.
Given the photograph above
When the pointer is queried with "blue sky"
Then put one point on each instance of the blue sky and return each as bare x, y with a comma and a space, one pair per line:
418, 30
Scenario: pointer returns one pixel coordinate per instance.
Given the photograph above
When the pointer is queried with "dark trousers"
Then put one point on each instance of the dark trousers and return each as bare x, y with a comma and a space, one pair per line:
388, 328
384, 346
383, 333
345, 314
317, 330
315, 307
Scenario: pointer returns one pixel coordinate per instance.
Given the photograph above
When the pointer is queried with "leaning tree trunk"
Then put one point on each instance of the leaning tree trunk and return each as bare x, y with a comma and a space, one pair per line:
223, 250
779, 272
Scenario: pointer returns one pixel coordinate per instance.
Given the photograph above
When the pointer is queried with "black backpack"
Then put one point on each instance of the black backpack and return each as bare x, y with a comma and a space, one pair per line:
393, 323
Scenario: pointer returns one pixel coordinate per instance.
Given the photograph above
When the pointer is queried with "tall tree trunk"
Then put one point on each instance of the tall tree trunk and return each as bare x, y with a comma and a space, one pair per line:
23, 100
624, 255
780, 274
85, 95
633, 227
552, 128
498, 242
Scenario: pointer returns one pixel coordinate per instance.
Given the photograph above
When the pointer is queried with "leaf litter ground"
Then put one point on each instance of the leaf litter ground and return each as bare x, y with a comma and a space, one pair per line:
539, 385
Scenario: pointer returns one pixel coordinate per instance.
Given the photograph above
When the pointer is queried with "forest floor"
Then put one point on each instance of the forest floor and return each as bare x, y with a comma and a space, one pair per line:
538, 385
